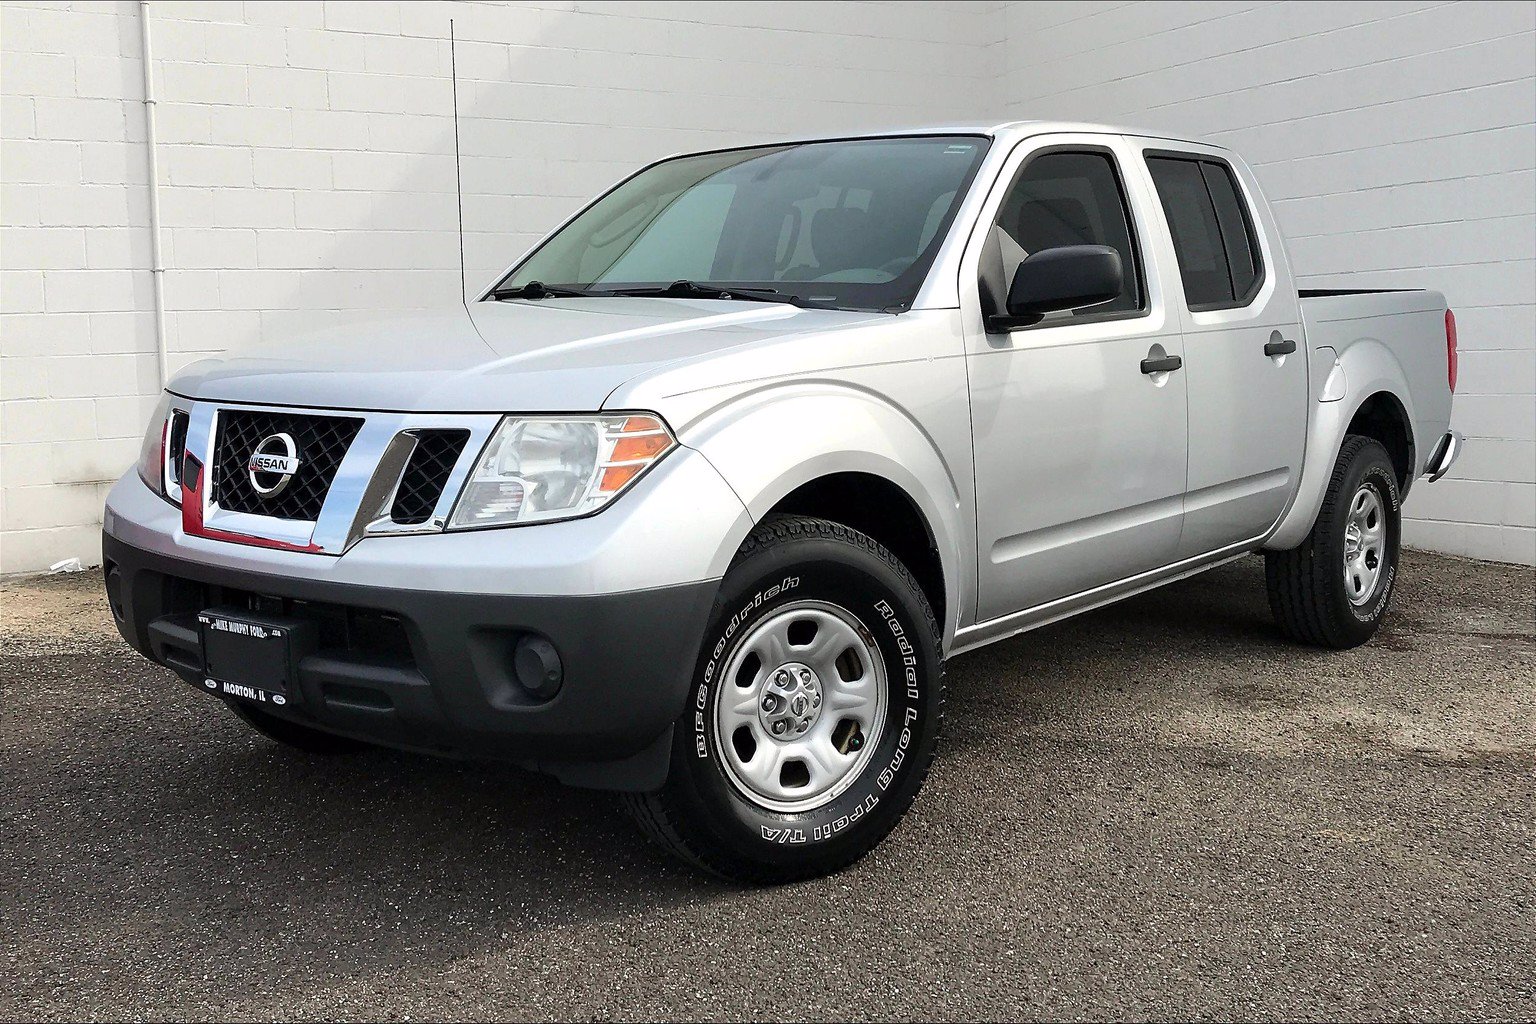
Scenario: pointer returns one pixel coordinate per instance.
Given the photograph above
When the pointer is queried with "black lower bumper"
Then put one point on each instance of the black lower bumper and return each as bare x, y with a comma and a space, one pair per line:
434, 672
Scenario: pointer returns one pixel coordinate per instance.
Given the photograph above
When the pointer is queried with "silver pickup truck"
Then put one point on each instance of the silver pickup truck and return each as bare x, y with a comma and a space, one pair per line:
696, 500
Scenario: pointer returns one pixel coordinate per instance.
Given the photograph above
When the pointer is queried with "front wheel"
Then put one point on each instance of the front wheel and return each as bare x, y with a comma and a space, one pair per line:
814, 711
1332, 590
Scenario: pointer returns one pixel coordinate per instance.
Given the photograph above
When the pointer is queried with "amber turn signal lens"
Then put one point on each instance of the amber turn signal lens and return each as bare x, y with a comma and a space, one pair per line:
640, 441
628, 449
641, 425
615, 477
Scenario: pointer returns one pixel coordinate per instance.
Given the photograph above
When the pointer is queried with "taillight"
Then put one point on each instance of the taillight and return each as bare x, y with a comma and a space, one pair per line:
1450, 349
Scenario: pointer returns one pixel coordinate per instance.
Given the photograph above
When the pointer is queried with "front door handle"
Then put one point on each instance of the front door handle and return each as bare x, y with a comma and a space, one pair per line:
1283, 347
1162, 365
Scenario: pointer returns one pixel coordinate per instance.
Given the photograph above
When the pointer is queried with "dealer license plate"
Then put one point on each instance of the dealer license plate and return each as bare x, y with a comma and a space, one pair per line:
247, 656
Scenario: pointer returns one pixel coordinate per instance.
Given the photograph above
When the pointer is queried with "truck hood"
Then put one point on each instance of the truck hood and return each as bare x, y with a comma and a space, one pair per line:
554, 355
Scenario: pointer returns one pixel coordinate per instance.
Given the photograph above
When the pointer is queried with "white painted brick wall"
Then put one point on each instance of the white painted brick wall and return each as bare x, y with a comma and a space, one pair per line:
1397, 143
307, 172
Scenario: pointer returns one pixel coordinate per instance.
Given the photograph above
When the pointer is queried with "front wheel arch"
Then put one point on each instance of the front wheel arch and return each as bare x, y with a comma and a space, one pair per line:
821, 429
881, 510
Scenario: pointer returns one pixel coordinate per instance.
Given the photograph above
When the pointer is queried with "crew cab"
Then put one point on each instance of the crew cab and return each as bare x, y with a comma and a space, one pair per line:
696, 499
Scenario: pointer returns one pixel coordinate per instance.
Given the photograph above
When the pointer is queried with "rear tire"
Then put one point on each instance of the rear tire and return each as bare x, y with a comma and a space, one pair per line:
1333, 589
814, 711
292, 734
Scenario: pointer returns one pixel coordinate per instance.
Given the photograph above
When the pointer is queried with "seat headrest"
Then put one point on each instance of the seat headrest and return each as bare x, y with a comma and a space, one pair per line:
838, 236
1047, 223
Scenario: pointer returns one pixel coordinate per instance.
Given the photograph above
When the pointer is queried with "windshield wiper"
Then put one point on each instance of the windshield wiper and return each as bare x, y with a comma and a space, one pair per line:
537, 290
676, 290
694, 290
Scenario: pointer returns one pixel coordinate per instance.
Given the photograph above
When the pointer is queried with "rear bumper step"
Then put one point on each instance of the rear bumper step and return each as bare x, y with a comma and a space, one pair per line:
1446, 451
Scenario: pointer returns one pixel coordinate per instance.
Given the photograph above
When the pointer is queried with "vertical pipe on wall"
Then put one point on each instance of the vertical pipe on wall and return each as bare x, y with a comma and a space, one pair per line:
458, 174
157, 264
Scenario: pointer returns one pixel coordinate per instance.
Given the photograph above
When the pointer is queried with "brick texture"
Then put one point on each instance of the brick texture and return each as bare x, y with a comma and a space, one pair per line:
307, 173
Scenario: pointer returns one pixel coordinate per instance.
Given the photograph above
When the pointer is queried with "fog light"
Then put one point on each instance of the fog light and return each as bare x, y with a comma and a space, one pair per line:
538, 668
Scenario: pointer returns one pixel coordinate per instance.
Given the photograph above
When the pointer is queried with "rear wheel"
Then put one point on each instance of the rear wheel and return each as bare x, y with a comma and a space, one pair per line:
814, 712
292, 734
1333, 589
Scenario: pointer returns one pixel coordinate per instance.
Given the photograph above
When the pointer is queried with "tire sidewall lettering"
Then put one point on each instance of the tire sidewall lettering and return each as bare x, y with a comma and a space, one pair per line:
888, 629
764, 596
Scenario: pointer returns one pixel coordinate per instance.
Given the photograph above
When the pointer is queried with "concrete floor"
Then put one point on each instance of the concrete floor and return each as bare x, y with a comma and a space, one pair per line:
1161, 809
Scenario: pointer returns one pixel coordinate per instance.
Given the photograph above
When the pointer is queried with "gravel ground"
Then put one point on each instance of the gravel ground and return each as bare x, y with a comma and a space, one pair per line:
1158, 810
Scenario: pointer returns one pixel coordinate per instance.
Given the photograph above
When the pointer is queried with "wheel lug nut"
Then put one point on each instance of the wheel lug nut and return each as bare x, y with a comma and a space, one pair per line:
781, 677
778, 728
769, 703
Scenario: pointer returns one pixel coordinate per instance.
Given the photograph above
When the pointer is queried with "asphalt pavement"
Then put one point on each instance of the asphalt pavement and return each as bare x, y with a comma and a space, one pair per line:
1159, 810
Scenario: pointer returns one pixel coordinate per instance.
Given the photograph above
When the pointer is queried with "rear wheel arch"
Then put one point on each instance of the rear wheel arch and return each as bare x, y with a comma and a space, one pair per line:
1385, 414
1383, 418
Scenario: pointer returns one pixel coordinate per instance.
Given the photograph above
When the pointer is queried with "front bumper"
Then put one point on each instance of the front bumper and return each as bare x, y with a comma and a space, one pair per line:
418, 633
432, 670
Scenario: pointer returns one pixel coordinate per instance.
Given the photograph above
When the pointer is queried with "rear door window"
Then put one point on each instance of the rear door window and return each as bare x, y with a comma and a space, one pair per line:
1212, 231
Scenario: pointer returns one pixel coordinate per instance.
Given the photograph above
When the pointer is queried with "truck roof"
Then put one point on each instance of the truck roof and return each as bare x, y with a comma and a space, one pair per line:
1006, 131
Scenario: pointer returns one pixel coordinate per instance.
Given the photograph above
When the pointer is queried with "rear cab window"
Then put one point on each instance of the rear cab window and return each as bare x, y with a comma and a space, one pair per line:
1212, 229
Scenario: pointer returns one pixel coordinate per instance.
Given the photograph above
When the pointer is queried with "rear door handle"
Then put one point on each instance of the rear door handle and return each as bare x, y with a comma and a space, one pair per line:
1283, 347
1163, 365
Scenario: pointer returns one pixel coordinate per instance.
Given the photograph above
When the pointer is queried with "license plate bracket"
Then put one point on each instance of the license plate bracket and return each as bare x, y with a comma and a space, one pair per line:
252, 656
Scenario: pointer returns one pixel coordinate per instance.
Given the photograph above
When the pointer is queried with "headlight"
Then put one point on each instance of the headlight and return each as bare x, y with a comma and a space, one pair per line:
152, 451
160, 454
540, 468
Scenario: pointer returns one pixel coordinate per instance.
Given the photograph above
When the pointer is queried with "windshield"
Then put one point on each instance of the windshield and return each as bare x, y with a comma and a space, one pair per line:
846, 224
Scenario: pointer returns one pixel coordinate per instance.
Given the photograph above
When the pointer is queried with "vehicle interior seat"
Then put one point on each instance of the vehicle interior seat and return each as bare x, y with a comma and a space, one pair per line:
839, 236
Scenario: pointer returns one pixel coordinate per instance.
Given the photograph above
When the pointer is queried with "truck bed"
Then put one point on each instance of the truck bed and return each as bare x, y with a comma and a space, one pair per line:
1405, 329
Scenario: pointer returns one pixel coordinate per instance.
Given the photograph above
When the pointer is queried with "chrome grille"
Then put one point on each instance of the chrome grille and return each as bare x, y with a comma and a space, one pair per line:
426, 474
321, 442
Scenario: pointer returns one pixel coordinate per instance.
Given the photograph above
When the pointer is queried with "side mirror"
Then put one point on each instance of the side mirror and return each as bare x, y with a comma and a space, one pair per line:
1066, 277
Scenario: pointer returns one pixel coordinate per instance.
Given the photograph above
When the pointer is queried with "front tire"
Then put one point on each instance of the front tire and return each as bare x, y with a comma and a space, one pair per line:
814, 712
1333, 589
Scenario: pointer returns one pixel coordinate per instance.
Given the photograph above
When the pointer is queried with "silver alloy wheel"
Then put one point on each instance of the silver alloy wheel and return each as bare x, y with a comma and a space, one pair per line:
801, 707
1365, 545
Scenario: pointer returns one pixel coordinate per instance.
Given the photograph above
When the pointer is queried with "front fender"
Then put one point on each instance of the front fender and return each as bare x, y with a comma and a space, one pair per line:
772, 440
1369, 367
